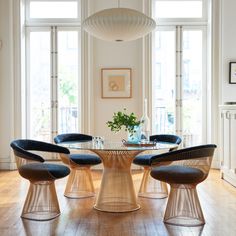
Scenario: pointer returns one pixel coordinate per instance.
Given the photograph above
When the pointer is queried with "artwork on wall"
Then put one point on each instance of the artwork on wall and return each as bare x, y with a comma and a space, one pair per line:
232, 72
116, 83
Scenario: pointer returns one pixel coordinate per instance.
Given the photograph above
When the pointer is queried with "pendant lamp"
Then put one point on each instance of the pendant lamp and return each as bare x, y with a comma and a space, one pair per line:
118, 24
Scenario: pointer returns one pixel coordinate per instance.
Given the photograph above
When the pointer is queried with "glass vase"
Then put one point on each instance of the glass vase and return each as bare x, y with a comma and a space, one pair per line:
145, 124
135, 137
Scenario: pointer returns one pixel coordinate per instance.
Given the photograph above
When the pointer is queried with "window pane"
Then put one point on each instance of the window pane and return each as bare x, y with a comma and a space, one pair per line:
178, 9
192, 87
68, 68
44, 9
39, 87
164, 82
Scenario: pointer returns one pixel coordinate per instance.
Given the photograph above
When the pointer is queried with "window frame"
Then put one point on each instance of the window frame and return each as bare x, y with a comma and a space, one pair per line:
181, 21
47, 24
204, 77
188, 24
27, 74
78, 29
178, 83
49, 21
54, 77
162, 28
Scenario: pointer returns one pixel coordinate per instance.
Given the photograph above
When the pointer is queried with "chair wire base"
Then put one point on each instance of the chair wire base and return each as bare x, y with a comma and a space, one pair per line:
79, 184
41, 202
183, 206
152, 188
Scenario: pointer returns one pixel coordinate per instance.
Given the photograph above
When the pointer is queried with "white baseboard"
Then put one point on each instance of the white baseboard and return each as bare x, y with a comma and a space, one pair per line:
6, 164
216, 161
215, 164
229, 177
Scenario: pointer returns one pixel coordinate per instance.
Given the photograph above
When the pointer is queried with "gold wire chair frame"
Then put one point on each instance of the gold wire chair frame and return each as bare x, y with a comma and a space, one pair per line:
187, 169
21, 161
151, 188
183, 207
79, 183
41, 203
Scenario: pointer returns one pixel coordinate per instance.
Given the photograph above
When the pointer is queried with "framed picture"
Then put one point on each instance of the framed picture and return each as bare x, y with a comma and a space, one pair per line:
116, 83
232, 72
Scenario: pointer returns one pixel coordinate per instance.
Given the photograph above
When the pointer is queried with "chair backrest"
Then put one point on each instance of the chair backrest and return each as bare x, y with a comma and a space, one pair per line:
21, 148
170, 138
72, 137
197, 157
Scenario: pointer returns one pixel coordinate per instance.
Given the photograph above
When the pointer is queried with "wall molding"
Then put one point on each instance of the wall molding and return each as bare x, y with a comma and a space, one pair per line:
14, 78
87, 85
216, 72
147, 63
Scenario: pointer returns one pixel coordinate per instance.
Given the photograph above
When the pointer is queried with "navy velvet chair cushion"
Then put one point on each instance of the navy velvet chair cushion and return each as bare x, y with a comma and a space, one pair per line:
80, 158
143, 160
43, 171
178, 174
85, 159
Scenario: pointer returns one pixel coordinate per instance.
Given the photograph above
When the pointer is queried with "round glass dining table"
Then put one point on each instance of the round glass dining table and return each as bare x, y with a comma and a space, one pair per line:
116, 193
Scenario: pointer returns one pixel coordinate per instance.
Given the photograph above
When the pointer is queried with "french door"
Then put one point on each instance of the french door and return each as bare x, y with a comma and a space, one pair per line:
179, 83
53, 81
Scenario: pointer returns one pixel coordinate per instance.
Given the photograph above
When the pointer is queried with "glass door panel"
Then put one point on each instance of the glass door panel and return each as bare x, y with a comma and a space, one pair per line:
53, 9
192, 93
178, 9
164, 82
39, 87
68, 79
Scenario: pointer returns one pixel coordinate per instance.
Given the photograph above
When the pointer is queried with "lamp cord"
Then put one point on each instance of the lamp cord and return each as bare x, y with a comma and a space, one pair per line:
118, 3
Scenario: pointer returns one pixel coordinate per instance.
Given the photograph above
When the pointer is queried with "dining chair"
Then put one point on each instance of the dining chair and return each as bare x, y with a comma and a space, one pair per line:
183, 169
150, 188
41, 202
79, 184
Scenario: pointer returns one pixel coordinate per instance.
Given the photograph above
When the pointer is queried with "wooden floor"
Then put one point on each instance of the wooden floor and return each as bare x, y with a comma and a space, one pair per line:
218, 199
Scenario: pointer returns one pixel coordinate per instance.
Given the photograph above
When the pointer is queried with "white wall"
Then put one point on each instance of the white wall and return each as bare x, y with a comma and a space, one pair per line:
228, 48
116, 55
6, 83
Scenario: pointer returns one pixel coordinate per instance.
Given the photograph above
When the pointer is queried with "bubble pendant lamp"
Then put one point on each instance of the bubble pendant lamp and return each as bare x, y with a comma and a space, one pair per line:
118, 24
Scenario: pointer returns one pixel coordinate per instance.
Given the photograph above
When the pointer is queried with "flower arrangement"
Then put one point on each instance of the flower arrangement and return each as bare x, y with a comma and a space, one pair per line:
122, 119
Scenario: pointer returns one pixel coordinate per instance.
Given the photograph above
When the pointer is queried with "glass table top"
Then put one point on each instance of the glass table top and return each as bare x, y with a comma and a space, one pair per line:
111, 145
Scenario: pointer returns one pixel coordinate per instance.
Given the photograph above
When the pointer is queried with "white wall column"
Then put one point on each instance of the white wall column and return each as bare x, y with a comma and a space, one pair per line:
10, 104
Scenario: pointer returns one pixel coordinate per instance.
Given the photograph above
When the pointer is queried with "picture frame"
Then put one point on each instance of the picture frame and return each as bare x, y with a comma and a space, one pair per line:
116, 82
232, 72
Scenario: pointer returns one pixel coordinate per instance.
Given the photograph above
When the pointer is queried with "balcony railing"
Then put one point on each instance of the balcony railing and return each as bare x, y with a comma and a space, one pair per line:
165, 124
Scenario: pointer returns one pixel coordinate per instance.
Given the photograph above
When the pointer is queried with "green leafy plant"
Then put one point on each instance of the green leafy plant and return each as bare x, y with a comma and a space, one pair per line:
122, 119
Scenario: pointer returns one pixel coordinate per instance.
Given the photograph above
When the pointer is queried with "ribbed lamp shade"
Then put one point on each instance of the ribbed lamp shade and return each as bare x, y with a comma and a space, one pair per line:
119, 24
